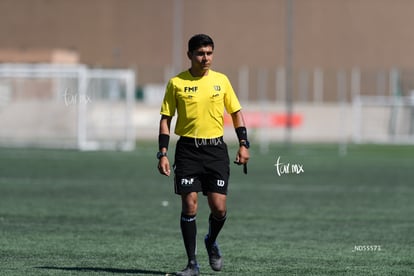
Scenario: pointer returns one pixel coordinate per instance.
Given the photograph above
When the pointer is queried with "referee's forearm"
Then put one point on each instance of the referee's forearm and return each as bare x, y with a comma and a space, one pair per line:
238, 119
164, 133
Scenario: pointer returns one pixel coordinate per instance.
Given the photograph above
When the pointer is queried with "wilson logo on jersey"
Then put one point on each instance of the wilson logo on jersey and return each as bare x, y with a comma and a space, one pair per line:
190, 89
217, 87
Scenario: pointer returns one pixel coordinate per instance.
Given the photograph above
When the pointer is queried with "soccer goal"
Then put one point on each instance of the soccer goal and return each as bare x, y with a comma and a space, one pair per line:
66, 106
381, 119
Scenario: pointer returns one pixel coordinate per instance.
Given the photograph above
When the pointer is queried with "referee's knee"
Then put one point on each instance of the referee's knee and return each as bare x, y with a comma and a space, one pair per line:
189, 204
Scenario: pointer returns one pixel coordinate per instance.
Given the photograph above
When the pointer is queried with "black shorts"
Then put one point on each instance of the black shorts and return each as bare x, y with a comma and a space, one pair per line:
201, 165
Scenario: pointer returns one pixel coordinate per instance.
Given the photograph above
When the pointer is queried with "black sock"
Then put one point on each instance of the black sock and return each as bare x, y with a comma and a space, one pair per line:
215, 225
189, 232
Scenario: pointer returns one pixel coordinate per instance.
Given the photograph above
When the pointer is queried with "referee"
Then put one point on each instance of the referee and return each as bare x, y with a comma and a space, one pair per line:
200, 95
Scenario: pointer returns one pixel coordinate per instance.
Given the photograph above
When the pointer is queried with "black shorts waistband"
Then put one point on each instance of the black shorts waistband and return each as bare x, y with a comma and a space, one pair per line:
203, 141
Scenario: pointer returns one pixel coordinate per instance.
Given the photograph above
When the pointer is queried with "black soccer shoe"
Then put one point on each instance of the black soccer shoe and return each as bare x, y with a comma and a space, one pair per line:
192, 269
214, 255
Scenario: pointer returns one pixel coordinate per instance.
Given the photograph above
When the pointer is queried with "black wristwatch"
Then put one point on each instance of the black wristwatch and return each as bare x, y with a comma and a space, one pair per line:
161, 154
245, 144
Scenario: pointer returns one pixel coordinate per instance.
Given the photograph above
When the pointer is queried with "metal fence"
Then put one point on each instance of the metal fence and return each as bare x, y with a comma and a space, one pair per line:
316, 85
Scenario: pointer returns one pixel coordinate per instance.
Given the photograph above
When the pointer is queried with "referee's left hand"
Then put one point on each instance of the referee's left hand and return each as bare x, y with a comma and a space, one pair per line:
242, 156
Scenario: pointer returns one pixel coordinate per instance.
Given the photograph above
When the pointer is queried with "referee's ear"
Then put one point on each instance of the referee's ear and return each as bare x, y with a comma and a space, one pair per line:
189, 54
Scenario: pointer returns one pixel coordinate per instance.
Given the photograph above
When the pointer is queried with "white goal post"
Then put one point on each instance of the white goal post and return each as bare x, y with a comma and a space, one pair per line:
384, 120
66, 106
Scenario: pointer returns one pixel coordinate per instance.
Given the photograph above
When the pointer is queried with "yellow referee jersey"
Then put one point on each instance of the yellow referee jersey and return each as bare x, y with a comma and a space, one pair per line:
200, 103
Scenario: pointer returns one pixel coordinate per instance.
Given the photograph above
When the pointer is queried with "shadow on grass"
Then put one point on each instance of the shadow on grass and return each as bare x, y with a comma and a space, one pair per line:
107, 269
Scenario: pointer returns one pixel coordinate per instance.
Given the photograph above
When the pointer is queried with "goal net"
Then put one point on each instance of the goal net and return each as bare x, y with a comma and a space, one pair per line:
380, 119
66, 106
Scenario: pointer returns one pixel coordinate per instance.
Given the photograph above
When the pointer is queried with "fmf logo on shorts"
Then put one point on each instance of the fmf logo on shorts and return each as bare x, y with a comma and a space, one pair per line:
190, 89
187, 181
220, 183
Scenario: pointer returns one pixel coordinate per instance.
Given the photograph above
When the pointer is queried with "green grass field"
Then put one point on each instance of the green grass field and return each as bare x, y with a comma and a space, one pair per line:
104, 213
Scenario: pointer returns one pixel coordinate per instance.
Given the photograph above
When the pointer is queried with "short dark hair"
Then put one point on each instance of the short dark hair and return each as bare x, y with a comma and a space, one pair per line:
199, 40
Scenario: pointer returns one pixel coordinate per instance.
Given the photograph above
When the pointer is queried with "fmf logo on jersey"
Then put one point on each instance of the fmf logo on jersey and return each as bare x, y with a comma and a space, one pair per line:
220, 183
217, 87
190, 89
187, 181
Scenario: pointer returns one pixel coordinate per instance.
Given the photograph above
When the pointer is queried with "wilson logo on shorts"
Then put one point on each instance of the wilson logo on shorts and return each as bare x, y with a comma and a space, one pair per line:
187, 181
220, 183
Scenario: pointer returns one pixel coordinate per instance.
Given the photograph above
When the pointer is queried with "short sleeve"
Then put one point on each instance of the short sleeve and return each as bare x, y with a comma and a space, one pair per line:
169, 103
231, 102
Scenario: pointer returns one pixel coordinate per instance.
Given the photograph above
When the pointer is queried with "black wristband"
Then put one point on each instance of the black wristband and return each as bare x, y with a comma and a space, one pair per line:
241, 133
163, 141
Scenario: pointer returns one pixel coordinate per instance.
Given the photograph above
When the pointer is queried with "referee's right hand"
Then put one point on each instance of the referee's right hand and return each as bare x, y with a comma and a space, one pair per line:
164, 166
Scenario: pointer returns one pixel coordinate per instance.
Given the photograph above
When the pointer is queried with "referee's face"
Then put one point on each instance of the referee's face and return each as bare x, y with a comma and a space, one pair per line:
201, 59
